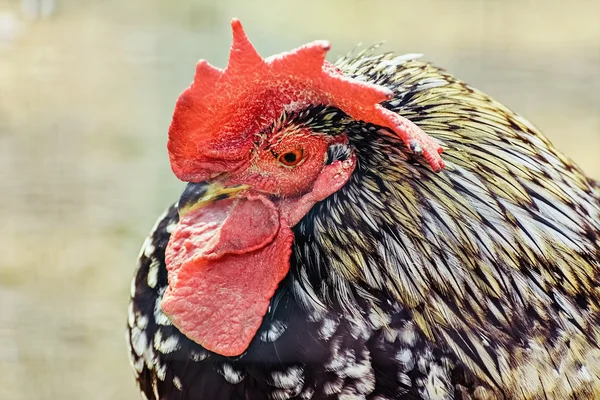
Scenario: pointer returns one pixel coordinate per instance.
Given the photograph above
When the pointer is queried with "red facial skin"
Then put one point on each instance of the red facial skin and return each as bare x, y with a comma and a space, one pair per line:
296, 189
308, 181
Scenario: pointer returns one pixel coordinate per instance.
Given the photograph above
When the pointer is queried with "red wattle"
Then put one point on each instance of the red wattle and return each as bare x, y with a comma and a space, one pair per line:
224, 263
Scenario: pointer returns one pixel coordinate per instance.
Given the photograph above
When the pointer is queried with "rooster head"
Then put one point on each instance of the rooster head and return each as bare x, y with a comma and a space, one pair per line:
260, 146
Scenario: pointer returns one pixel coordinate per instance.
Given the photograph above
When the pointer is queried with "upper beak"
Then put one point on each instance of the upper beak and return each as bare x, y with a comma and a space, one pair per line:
197, 195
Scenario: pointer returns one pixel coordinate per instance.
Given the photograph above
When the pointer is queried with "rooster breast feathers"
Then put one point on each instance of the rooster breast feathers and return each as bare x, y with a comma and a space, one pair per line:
478, 282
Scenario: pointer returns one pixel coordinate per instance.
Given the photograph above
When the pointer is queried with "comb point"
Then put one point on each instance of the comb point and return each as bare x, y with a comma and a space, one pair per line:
205, 71
243, 54
305, 60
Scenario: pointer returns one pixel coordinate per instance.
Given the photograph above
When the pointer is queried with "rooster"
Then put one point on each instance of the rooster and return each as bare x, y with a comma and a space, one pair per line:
323, 250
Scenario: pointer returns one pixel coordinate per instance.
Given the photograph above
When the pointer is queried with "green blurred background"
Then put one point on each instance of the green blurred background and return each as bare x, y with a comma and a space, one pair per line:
86, 93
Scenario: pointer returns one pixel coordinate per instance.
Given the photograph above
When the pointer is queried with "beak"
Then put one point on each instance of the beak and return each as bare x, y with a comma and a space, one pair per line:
198, 195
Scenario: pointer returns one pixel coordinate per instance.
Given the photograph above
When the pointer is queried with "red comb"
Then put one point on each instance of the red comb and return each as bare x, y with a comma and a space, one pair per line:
216, 118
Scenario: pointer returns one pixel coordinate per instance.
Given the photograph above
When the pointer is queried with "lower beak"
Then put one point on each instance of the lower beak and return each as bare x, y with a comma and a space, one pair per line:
197, 195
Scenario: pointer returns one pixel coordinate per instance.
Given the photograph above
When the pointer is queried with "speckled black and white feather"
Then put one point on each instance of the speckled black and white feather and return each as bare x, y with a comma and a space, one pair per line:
477, 283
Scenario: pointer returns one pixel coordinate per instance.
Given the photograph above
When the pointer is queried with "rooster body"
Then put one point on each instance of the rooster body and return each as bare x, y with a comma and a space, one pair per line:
480, 282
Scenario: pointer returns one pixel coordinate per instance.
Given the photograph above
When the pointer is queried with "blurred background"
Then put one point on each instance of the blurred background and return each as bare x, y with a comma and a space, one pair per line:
87, 88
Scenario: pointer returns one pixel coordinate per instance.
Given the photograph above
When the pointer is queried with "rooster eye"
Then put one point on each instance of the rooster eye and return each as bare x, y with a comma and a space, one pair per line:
291, 158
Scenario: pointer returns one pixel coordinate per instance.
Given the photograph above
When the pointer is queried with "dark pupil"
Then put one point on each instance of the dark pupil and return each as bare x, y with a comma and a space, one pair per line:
289, 157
